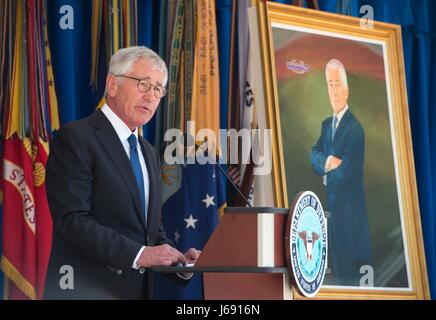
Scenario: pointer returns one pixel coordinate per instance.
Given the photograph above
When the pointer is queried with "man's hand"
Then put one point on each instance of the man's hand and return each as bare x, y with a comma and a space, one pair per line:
163, 255
192, 255
334, 163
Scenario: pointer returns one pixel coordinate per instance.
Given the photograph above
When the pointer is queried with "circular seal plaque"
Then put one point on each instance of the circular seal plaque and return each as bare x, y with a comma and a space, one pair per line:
306, 243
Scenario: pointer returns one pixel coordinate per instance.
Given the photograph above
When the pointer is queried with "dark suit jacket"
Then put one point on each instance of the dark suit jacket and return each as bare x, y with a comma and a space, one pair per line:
349, 237
98, 222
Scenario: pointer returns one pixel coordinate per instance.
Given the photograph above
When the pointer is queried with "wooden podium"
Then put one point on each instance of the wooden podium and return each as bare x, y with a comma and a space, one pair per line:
244, 258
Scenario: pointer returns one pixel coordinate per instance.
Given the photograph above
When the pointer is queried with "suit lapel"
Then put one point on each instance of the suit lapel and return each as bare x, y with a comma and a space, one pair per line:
115, 150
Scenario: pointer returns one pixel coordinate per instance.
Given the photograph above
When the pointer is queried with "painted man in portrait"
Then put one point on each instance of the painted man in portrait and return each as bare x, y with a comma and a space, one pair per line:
338, 157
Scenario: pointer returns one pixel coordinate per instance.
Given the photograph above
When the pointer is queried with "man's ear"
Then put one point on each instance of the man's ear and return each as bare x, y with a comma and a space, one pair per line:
111, 85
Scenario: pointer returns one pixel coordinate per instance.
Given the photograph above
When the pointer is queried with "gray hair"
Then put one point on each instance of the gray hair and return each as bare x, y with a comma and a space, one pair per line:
121, 62
336, 64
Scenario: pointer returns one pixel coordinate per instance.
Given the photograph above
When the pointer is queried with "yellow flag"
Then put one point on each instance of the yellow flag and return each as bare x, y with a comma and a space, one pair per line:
54, 112
205, 93
13, 124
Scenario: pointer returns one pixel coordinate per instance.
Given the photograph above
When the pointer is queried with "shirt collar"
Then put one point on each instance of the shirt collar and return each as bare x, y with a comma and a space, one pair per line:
120, 127
341, 113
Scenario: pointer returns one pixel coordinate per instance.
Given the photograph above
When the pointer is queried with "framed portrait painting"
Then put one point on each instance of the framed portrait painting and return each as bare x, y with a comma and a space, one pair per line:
337, 103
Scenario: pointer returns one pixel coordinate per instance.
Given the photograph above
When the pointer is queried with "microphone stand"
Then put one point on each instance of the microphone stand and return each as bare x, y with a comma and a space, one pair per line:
223, 171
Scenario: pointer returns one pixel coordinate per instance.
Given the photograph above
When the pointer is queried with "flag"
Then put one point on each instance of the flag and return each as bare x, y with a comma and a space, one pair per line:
193, 194
26, 218
205, 88
242, 112
247, 108
114, 26
3, 78
189, 217
29, 114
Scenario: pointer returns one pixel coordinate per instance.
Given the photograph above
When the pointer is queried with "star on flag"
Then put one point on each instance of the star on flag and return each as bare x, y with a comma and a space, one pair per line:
190, 222
208, 200
177, 236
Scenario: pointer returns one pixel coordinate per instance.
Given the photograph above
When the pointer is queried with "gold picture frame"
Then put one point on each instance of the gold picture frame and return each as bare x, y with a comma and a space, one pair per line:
295, 44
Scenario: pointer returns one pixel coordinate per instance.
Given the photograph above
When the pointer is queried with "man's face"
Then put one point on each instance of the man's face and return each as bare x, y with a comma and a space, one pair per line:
135, 108
338, 92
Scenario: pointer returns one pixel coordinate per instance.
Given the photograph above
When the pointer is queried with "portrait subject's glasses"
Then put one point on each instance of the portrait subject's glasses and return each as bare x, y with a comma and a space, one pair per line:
144, 85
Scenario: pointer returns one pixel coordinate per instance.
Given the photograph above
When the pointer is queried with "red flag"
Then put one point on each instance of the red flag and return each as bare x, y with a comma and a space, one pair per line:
27, 223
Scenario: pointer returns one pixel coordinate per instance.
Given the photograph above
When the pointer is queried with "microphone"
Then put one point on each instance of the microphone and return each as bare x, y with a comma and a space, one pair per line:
188, 149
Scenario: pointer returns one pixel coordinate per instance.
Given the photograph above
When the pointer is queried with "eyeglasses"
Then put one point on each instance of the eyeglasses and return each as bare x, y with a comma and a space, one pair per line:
144, 85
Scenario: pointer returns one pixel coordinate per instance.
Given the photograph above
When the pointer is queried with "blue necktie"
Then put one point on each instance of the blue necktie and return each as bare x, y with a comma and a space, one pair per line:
136, 166
335, 124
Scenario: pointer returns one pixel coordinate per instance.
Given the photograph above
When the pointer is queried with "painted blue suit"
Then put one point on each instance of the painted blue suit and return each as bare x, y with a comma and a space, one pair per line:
349, 238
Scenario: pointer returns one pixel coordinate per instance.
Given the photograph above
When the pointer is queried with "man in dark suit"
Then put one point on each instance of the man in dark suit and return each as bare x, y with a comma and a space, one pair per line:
104, 191
338, 157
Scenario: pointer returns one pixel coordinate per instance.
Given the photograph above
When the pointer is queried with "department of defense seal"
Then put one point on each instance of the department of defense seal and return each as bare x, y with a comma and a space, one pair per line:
306, 243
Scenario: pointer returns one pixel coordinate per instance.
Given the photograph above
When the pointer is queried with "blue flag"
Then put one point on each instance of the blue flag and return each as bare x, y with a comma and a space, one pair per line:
189, 215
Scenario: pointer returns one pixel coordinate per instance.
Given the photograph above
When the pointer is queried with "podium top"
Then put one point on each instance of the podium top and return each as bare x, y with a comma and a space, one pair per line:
220, 269
256, 210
